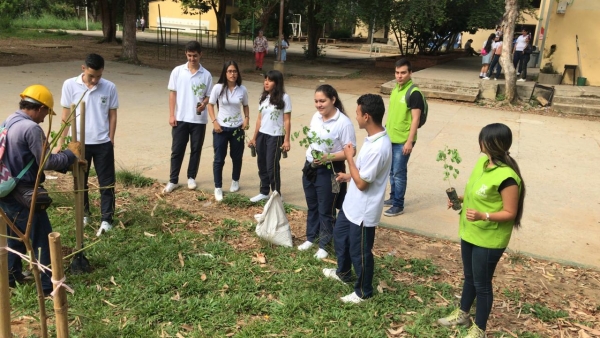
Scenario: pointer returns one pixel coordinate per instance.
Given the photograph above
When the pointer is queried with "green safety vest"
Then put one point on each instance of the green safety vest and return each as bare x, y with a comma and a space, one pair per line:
399, 115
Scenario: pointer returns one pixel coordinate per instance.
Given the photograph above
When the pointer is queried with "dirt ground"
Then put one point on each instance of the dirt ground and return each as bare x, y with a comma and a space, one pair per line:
558, 287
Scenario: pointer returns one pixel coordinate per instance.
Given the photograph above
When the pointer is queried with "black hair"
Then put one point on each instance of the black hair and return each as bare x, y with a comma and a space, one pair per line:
496, 138
490, 40
94, 61
193, 46
276, 95
26, 105
331, 93
404, 62
372, 104
223, 78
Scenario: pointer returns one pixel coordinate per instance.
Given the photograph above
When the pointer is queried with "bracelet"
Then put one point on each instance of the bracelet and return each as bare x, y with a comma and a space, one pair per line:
487, 216
214, 120
246, 117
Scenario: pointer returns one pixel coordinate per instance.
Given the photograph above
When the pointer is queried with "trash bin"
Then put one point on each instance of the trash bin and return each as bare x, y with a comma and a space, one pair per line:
533, 60
581, 80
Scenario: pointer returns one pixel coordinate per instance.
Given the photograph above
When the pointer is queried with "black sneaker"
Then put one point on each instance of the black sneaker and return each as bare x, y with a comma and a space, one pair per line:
393, 211
389, 202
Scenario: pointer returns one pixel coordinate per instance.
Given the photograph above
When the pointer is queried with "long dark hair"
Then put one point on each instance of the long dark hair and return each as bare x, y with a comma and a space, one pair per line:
496, 138
490, 40
223, 78
276, 97
331, 93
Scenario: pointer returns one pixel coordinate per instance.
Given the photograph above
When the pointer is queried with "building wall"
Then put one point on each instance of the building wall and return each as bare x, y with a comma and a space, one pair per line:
581, 18
172, 16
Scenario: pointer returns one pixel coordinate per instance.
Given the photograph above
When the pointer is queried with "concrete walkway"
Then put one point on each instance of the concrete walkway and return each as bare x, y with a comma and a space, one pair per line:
558, 157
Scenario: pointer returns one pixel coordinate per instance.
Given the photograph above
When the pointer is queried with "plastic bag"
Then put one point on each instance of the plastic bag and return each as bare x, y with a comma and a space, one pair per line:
273, 225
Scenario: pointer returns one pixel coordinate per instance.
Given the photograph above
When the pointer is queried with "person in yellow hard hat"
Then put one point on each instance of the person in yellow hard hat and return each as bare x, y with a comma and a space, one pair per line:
25, 148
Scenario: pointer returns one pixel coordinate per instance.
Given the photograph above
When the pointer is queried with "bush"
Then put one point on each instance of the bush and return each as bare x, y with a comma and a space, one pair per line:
62, 10
340, 34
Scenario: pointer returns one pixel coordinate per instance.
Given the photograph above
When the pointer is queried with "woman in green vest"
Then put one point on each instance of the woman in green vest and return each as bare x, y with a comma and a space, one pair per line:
492, 207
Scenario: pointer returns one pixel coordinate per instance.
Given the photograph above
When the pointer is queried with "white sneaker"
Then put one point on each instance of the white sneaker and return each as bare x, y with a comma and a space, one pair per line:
486, 78
235, 186
518, 73
104, 227
495, 79
331, 273
218, 194
321, 254
191, 184
86, 220
352, 298
259, 198
521, 80
305, 246
169, 187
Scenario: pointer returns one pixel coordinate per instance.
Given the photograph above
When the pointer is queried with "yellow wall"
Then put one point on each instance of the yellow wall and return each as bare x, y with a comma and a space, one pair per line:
581, 18
172, 16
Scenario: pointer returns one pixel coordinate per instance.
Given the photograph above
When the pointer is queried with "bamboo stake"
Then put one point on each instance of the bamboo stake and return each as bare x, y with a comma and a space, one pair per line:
4, 289
60, 296
77, 181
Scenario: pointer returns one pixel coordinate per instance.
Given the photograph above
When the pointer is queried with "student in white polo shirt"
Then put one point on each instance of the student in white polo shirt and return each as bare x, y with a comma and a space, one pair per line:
272, 133
101, 103
354, 231
189, 88
229, 95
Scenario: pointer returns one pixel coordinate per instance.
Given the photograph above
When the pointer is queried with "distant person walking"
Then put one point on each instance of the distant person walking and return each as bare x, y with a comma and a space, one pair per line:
525, 60
284, 47
496, 53
492, 208
486, 53
519, 48
261, 49
143, 24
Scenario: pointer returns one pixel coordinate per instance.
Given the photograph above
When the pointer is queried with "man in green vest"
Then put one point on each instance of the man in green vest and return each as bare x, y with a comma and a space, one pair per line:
402, 124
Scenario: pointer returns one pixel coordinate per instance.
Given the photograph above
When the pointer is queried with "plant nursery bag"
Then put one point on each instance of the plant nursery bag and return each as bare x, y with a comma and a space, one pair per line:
273, 225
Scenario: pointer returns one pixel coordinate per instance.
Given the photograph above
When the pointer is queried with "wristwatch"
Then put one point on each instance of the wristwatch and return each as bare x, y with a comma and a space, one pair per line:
487, 216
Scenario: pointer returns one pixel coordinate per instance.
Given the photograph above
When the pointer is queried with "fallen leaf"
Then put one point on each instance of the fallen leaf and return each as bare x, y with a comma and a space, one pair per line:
179, 335
298, 270
203, 277
181, 260
395, 332
147, 234
112, 280
176, 297
109, 303
329, 261
260, 258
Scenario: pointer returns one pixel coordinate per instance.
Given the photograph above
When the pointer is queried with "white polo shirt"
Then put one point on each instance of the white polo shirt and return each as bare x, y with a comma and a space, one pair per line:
230, 105
338, 129
521, 43
373, 162
98, 101
271, 122
191, 89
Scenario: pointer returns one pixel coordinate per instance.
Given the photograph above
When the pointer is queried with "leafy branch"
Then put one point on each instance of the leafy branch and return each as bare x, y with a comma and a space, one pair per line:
449, 156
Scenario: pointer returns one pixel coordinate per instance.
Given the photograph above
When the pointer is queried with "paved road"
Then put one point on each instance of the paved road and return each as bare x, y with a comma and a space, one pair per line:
558, 157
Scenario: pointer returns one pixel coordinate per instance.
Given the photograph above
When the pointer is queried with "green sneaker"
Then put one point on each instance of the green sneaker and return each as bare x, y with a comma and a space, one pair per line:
457, 317
475, 332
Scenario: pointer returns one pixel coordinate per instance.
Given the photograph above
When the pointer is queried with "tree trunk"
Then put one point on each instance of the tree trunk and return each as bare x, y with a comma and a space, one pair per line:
220, 10
370, 35
508, 21
129, 51
108, 12
314, 29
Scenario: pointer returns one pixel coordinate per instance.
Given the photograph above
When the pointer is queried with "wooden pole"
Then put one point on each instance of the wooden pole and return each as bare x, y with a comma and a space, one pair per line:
4, 289
77, 179
60, 296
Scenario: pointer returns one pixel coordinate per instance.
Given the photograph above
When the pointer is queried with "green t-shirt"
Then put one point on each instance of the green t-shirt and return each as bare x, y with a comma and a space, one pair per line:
481, 194
399, 115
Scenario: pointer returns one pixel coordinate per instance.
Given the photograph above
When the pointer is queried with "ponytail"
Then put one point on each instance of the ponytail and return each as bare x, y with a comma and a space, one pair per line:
510, 162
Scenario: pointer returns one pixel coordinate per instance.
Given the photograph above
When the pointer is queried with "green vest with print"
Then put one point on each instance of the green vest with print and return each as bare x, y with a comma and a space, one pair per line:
481, 194
399, 115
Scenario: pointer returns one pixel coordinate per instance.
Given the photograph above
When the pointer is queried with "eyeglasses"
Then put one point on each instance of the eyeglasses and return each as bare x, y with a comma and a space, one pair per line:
232, 72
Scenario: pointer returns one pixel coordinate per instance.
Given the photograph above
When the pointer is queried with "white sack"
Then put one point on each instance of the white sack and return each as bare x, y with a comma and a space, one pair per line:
273, 224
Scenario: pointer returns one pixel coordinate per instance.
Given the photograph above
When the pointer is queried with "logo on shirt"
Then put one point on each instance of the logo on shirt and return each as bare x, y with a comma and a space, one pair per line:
198, 89
482, 190
104, 100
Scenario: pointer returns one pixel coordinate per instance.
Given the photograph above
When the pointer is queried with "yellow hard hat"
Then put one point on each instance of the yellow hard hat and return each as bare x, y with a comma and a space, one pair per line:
39, 94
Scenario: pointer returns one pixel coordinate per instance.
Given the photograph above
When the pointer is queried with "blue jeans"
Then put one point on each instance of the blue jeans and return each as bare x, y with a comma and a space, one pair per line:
479, 265
40, 229
321, 204
354, 248
495, 64
235, 138
398, 174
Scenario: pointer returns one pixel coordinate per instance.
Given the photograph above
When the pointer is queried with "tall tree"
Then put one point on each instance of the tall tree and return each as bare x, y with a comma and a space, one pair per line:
202, 6
108, 11
129, 50
508, 21
317, 13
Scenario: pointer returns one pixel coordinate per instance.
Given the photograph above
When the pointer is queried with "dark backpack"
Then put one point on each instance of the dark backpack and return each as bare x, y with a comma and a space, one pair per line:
423, 118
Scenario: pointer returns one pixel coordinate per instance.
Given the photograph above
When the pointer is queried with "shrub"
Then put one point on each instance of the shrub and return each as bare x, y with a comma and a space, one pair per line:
341, 34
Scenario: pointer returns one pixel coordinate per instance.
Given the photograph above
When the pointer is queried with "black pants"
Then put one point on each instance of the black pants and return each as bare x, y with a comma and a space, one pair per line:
523, 65
268, 154
103, 156
235, 138
181, 133
495, 63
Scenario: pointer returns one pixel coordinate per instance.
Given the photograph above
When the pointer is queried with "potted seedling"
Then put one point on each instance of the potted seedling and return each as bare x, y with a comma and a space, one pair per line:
309, 137
450, 157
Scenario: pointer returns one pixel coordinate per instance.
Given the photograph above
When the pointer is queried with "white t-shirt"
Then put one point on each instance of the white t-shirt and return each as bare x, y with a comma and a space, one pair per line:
98, 101
495, 45
271, 122
373, 162
338, 129
191, 89
230, 105
521, 43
